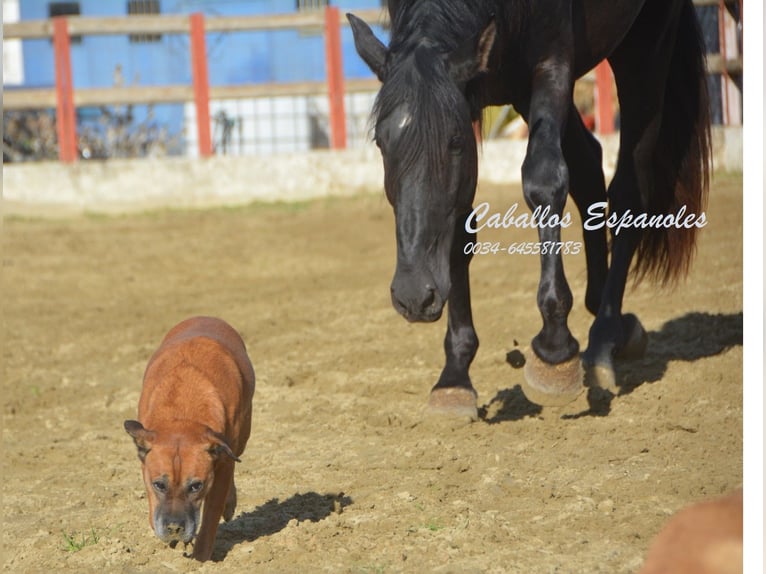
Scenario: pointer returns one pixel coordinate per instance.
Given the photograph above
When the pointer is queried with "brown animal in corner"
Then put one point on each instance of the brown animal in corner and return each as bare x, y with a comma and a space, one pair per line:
193, 424
705, 538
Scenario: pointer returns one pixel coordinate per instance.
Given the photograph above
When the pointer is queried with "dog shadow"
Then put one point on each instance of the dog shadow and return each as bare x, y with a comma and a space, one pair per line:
274, 516
688, 338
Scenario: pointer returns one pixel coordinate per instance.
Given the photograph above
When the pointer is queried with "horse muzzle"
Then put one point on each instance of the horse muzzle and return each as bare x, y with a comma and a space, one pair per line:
416, 297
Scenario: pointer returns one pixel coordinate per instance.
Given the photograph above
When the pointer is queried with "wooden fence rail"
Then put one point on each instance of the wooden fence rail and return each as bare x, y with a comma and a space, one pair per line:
65, 98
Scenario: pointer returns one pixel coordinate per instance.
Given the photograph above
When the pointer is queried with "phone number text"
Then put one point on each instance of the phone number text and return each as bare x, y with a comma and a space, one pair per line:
523, 248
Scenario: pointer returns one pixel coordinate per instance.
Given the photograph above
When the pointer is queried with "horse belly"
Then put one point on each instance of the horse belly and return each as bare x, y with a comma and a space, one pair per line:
599, 27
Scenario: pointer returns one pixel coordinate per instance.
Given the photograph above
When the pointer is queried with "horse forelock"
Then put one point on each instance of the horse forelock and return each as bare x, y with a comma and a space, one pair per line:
423, 35
420, 80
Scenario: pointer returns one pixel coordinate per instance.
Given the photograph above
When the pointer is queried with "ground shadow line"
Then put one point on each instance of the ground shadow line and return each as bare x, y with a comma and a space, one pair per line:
273, 516
687, 338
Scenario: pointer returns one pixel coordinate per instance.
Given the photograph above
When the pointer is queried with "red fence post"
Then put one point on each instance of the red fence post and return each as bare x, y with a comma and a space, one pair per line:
65, 116
335, 85
724, 56
604, 101
200, 81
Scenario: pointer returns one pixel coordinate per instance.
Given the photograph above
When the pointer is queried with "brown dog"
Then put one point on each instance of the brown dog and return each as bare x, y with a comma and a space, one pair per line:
704, 538
194, 414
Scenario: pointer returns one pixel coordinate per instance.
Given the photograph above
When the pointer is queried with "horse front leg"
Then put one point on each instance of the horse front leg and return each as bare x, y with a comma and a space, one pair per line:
553, 373
454, 394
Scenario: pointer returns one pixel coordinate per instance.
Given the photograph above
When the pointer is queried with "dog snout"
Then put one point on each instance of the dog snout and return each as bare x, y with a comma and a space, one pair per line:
175, 529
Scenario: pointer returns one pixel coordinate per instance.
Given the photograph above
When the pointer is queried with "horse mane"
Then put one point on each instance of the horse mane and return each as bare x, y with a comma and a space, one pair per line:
453, 20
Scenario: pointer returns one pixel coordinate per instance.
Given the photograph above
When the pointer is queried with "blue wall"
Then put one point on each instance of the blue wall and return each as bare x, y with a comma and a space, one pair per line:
233, 58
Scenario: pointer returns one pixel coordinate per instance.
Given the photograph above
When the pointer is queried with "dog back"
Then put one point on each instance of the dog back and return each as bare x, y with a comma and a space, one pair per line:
209, 359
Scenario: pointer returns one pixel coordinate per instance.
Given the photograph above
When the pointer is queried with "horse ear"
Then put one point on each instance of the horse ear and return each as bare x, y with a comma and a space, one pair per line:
372, 50
472, 57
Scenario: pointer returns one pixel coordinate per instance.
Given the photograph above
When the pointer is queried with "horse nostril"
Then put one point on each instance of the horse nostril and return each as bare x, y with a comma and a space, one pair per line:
415, 300
430, 297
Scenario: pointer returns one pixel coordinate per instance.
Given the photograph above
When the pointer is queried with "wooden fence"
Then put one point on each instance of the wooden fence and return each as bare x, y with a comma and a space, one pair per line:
65, 98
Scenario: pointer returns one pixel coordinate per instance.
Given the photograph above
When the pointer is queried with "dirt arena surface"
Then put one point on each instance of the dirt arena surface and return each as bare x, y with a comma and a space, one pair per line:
343, 473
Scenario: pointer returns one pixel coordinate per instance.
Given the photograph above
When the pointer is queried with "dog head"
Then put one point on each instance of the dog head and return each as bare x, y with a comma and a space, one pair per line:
178, 465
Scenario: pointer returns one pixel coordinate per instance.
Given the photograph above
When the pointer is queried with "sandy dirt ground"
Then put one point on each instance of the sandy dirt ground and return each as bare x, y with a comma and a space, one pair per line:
343, 472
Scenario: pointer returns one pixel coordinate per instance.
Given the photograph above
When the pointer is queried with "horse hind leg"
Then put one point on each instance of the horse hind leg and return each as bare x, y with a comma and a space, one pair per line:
608, 334
643, 174
583, 155
611, 330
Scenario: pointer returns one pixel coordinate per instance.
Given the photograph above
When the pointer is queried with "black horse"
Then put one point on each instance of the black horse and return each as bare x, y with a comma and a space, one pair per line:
448, 59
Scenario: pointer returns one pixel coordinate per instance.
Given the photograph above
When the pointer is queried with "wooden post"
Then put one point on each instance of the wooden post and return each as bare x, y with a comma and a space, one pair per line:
65, 112
725, 79
335, 86
604, 101
200, 81
477, 132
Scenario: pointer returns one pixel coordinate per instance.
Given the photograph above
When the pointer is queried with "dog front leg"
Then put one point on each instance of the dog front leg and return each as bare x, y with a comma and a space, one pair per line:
231, 501
211, 515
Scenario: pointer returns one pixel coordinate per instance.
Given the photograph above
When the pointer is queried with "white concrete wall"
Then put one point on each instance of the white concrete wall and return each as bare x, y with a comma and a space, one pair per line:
116, 186
13, 60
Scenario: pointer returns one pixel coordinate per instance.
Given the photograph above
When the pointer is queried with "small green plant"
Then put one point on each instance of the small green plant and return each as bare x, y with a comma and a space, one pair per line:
75, 543
433, 525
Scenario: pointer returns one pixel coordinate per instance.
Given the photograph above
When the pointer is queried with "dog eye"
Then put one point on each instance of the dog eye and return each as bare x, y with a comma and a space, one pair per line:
195, 487
160, 486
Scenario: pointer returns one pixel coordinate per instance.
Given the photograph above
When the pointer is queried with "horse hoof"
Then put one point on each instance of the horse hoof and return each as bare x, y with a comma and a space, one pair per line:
552, 385
454, 402
636, 340
601, 375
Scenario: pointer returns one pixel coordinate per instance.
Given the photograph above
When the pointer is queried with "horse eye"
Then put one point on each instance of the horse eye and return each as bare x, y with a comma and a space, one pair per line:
160, 486
456, 143
195, 487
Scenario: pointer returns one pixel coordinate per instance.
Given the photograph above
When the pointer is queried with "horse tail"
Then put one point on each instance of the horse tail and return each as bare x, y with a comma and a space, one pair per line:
682, 157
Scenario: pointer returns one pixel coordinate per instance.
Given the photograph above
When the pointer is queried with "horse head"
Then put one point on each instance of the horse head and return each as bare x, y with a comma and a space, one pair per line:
424, 128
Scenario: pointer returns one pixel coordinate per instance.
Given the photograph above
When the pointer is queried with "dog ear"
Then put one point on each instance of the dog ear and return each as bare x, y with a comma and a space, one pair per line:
218, 446
142, 437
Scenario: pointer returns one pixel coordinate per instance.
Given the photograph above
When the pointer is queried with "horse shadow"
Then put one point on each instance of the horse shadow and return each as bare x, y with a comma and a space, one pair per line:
273, 516
688, 338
